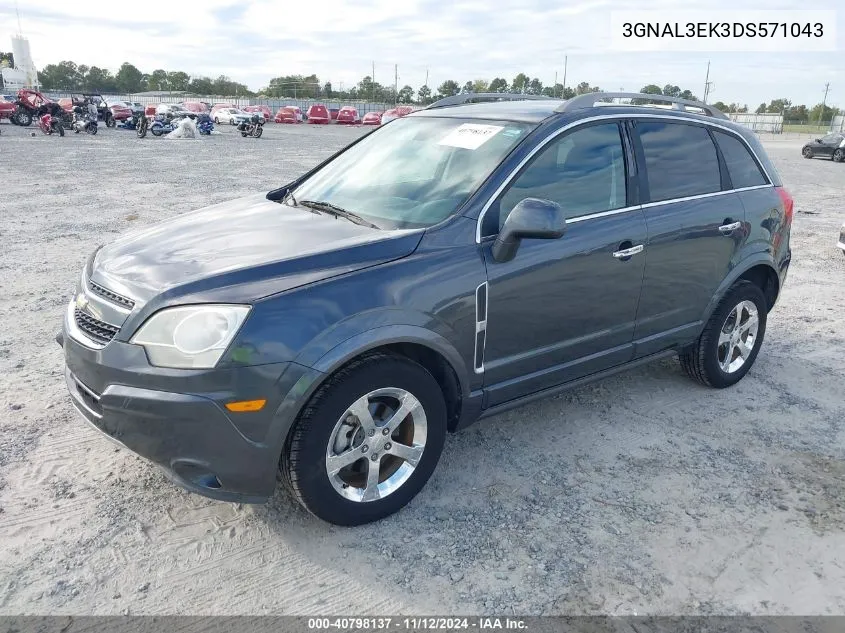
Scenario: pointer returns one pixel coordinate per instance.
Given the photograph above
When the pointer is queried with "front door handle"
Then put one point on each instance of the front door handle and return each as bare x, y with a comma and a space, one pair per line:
730, 228
627, 252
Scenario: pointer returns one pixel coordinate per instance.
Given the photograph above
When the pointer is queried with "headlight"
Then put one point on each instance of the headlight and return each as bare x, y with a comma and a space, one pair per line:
190, 337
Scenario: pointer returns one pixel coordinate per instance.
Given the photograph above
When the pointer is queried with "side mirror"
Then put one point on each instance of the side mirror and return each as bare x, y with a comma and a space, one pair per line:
818, 140
532, 218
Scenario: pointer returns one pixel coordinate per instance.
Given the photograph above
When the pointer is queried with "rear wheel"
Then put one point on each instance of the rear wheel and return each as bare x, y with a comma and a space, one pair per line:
807, 152
731, 340
838, 156
367, 441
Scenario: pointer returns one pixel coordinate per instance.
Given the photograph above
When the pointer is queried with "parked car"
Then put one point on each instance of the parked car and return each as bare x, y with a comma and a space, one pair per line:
298, 111
173, 109
7, 106
232, 116
286, 115
134, 107
396, 113
318, 113
372, 118
348, 114
449, 266
221, 106
830, 146
197, 107
120, 112
260, 109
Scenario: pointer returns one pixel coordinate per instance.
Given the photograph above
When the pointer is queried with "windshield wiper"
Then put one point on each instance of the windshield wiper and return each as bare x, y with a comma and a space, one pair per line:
337, 211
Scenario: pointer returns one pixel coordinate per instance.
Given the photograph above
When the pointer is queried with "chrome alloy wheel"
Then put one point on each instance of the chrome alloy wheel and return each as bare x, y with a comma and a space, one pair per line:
376, 444
738, 337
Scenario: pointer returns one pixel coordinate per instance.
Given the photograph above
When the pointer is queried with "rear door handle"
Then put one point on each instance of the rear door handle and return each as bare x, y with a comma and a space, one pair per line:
730, 228
627, 252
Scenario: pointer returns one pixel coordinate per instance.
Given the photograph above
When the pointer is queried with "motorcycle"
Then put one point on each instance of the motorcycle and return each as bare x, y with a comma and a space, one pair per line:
205, 125
84, 120
164, 124
142, 125
254, 128
50, 119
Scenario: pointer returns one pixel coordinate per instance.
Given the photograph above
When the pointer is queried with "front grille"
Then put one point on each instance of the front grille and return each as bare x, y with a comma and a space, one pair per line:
99, 331
105, 293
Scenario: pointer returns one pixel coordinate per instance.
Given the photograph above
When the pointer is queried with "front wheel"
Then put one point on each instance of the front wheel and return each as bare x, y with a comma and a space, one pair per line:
259, 131
838, 156
91, 129
367, 441
109, 120
807, 152
731, 340
60, 129
156, 130
24, 118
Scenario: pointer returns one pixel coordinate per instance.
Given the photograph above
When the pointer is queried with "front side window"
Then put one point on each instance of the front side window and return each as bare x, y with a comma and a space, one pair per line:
680, 160
583, 171
415, 172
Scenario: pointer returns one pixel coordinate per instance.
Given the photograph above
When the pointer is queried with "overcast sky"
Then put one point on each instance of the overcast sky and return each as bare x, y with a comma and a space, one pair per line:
254, 40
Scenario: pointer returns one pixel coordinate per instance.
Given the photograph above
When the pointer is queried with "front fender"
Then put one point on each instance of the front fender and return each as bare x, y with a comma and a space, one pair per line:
373, 338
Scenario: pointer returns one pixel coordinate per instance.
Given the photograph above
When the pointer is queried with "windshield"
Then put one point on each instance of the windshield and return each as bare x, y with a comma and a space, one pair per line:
414, 172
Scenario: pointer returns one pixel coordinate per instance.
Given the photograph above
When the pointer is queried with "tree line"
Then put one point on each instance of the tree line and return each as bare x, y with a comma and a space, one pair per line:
68, 76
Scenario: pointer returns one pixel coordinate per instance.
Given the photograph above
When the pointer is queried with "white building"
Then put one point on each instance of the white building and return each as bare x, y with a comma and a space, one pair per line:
24, 74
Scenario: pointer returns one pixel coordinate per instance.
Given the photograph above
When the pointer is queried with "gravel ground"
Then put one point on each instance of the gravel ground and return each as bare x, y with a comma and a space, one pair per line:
642, 494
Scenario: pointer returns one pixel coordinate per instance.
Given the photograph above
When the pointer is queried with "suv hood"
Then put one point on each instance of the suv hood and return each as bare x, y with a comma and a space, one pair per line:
243, 250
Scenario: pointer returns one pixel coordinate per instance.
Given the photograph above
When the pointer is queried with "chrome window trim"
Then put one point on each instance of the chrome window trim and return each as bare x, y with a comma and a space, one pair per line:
616, 117
712, 194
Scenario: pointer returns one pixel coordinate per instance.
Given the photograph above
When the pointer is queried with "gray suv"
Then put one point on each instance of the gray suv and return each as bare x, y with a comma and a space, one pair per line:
448, 266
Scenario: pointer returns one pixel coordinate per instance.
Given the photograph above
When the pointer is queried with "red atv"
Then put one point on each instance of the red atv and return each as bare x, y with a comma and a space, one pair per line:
27, 105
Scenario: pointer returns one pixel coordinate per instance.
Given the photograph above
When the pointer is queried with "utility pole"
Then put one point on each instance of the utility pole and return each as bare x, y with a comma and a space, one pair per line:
554, 89
707, 83
824, 102
395, 84
426, 77
373, 82
565, 59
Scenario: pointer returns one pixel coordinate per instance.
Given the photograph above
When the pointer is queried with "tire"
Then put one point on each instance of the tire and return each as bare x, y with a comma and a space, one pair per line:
838, 156
807, 152
24, 118
156, 130
321, 425
109, 120
216, 121
92, 130
142, 130
259, 131
701, 361
61, 130
243, 134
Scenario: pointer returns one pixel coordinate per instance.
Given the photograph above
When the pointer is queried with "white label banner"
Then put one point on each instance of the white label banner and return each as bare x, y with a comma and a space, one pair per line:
470, 135
705, 30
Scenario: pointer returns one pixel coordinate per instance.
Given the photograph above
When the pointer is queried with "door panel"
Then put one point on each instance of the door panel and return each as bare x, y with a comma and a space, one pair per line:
687, 257
562, 309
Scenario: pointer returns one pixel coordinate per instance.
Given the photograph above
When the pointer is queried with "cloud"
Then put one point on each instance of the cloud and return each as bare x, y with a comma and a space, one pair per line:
254, 40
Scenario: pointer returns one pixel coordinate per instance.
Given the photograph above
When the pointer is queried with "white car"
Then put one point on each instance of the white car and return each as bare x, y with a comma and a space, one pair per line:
232, 116
175, 109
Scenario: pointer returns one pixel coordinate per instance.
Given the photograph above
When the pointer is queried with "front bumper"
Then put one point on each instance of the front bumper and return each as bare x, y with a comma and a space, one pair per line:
177, 418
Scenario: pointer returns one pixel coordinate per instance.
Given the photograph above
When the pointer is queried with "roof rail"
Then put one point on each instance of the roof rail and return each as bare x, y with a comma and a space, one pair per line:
591, 98
470, 97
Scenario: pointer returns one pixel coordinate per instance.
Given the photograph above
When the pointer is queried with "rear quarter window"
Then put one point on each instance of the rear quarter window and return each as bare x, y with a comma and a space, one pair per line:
680, 160
742, 168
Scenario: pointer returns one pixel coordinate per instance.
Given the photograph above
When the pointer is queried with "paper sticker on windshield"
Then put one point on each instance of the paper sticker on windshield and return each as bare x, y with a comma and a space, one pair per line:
470, 135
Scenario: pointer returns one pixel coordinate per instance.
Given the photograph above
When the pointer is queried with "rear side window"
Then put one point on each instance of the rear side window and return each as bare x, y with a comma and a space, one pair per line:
742, 167
680, 160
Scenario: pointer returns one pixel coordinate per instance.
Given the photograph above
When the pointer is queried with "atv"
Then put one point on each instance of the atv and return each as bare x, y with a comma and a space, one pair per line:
27, 103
